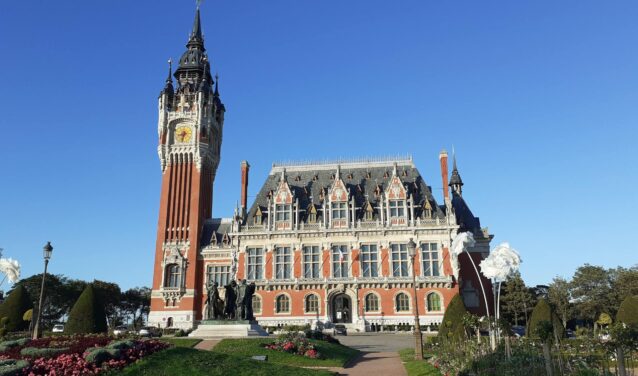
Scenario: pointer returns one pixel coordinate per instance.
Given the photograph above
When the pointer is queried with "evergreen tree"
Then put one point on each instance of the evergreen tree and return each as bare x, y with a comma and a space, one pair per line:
543, 313
14, 307
87, 315
451, 327
516, 299
628, 311
558, 297
591, 288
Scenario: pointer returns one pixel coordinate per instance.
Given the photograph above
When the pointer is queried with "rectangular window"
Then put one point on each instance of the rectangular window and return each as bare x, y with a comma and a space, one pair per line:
340, 261
219, 274
311, 256
369, 258
254, 261
282, 212
339, 210
399, 260
396, 208
431, 259
283, 263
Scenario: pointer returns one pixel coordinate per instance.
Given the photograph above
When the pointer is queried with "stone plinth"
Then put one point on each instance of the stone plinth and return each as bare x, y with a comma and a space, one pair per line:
228, 328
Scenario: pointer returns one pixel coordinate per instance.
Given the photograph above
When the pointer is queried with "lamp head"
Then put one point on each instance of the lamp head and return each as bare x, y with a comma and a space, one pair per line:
47, 251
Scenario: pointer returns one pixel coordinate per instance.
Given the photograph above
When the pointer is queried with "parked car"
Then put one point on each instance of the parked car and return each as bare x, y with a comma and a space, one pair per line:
150, 331
518, 330
120, 330
340, 329
58, 328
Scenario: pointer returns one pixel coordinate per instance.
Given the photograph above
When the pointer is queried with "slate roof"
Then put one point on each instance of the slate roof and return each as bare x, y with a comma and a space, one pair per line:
363, 180
464, 217
215, 226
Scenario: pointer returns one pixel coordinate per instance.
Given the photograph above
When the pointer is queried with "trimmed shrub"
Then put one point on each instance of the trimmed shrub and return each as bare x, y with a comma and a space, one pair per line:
452, 325
45, 352
14, 308
121, 345
7, 345
99, 355
543, 312
628, 311
87, 315
11, 367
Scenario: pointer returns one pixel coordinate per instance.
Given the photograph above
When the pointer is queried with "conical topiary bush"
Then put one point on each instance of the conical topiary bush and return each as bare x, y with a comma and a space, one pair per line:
451, 327
14, 307
543, 312
628, 311
87, 315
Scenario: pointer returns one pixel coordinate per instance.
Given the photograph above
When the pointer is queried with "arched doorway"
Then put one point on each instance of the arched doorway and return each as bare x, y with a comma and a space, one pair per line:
341, 309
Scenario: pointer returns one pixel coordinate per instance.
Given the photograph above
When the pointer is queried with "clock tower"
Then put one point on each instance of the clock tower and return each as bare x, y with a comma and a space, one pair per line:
190, 127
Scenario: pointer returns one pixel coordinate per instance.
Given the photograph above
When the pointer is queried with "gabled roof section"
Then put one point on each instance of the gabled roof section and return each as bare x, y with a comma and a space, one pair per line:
212, 230
313, 181
283, 194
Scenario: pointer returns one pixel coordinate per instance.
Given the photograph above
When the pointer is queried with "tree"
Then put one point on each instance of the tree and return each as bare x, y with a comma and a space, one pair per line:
625, 332
591, 288
87, 315
451, 327
558, 297
628, 311
543, 312
60, 295
516, 300
625, 283
14, 307
111, 297
135, 303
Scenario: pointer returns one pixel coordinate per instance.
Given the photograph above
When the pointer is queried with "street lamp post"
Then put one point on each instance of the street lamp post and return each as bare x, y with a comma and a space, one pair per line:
418, 338
47, 251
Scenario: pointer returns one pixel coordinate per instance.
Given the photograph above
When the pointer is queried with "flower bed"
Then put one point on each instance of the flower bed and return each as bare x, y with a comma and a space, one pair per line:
294, 343
74, 355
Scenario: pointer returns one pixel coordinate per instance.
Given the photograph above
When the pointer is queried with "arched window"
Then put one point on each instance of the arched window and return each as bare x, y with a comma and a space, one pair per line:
172, 276
402, 302
434, 302
256, 304
283, 304
312, 303
372, 303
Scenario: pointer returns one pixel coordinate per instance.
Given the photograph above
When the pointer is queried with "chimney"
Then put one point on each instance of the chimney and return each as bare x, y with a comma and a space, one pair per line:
444, 174
244, 187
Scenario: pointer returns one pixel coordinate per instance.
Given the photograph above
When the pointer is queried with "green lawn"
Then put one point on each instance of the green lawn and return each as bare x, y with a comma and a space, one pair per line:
181, 342
181, 361
417, 367
335, 355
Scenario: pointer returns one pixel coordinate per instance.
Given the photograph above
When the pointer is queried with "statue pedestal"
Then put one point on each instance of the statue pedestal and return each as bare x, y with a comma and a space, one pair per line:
228, 328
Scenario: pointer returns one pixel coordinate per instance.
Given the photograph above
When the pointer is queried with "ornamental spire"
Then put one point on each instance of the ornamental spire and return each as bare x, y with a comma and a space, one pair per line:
455, 180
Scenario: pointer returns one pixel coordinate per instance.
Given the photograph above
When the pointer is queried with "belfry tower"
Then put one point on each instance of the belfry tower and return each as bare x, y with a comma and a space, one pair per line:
190, 127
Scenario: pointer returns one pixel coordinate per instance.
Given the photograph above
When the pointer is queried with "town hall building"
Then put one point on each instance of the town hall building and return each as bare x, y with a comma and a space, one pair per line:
324, 243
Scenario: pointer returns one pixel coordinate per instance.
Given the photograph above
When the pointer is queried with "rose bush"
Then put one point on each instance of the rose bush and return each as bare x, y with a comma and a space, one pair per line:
294, 343
76, 355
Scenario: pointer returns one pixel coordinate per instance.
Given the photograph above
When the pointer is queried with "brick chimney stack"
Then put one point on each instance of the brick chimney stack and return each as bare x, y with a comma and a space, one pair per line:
444, 174
244, 187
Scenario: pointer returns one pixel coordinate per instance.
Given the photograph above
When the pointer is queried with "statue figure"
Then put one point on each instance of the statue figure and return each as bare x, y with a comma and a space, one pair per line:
230, 300
248, 301
214, 304
241, 304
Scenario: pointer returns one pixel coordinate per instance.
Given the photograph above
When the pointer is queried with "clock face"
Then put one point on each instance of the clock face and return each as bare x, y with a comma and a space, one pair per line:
183, 134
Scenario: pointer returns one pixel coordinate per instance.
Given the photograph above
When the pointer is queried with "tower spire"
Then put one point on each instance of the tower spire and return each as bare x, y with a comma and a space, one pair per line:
455, 180
216, 94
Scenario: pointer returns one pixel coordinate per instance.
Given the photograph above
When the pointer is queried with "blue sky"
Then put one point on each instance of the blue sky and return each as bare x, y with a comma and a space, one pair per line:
539, 99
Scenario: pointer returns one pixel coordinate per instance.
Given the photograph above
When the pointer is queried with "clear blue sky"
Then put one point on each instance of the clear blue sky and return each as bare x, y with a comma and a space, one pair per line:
539, 98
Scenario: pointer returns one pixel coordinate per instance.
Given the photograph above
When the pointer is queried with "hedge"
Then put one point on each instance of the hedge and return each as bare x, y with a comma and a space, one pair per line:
452, 326
12, 367
543, 312
42, 352
628, 311
14, 307
87, 315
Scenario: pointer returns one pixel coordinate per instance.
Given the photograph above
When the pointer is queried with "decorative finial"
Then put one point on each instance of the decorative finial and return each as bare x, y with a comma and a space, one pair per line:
170, 70
199, 3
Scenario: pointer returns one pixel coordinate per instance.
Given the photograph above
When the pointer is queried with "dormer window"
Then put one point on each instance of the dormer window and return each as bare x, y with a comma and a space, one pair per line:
312, 218
396, 209
339, 210
282, 212
427, 210
257, 220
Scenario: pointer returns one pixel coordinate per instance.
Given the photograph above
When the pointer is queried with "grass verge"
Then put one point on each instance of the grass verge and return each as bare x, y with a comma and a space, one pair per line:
181, 342
334, 355
417, 367
182, 361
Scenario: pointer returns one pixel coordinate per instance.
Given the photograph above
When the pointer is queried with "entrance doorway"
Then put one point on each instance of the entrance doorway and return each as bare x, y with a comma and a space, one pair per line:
341, 309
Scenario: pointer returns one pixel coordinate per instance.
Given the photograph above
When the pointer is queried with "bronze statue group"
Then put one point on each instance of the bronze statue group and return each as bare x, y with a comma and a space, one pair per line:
237, 303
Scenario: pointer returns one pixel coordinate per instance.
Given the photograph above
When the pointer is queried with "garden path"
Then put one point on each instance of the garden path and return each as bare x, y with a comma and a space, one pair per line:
207, 344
